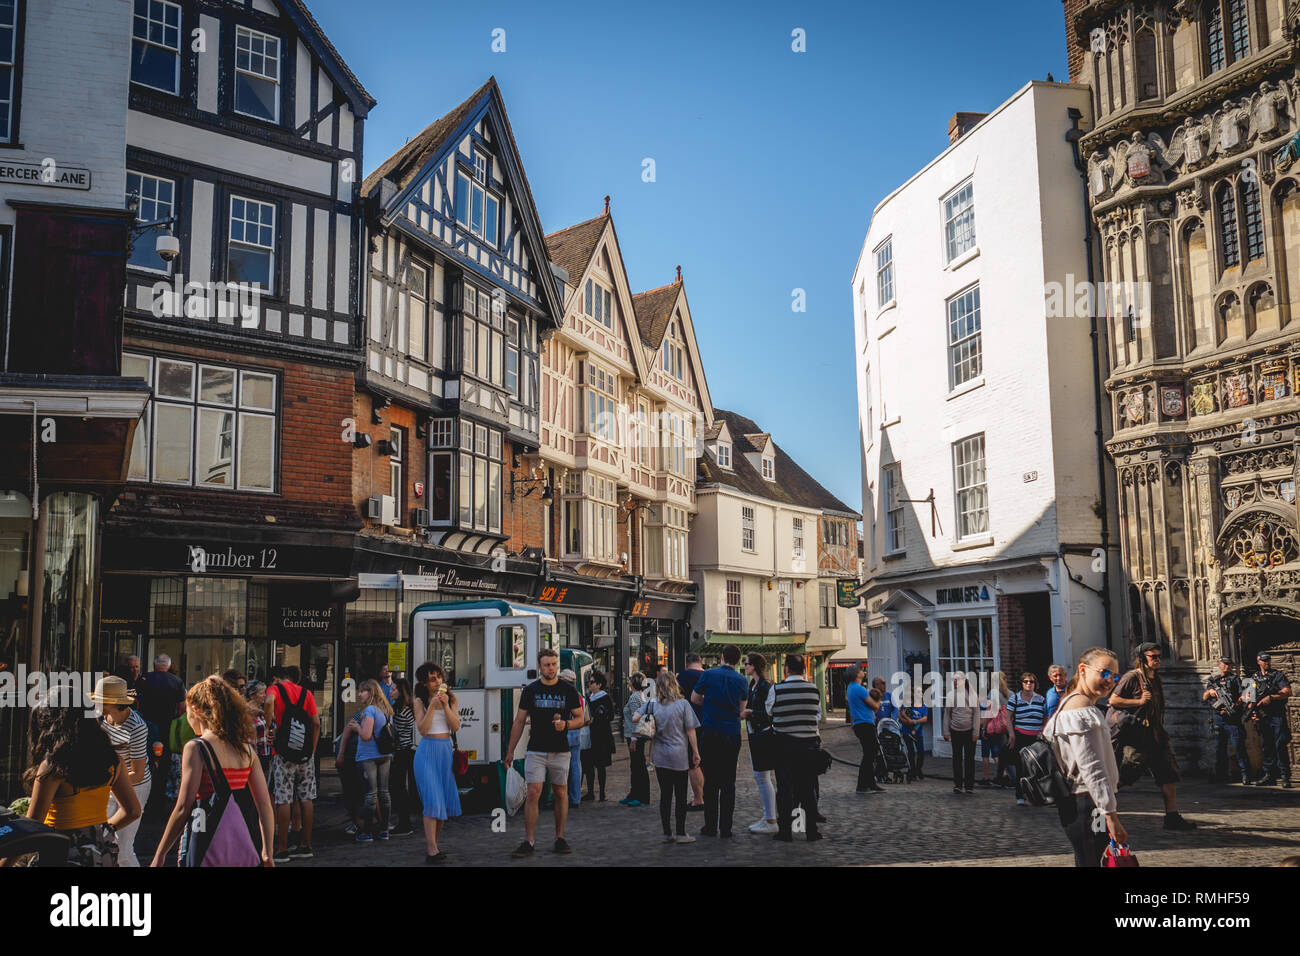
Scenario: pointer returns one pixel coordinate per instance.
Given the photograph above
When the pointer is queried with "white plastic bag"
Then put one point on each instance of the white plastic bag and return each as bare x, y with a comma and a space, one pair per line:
516, 791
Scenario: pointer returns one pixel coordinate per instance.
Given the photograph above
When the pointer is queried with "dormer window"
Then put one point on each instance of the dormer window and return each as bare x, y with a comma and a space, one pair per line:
724, 456
769, 469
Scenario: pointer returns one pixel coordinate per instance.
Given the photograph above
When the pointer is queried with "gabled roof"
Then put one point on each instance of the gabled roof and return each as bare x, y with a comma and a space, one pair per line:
654, 309
360, 100
571, 249
759, 441
713, 431
406, 166
792, 486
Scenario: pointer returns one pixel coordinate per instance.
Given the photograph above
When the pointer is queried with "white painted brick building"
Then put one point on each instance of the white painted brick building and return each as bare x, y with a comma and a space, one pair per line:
969, 389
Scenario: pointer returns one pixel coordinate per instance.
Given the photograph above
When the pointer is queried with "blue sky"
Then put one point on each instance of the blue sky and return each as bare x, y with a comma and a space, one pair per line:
768, 162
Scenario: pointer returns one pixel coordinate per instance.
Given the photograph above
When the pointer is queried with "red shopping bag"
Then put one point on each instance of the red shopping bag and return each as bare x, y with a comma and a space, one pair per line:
1116, 855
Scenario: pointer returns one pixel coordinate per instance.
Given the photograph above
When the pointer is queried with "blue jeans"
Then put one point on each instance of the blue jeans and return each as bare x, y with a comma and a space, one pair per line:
1274, 736
1227, 731
575, 775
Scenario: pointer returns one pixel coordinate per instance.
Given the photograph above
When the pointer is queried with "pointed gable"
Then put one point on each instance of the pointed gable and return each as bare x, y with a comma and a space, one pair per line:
571, 249
469, 157
656, 312
310, 30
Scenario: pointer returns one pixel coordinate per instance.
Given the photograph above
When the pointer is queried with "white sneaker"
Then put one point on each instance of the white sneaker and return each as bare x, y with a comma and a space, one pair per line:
686, 839
1021, 802
762, 826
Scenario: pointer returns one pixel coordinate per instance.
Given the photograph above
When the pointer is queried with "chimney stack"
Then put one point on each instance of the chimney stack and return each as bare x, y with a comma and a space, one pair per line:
961, 124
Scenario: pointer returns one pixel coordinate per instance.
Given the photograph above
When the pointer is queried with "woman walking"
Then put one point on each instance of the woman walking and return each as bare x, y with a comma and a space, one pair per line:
1028, 711
676, 751
373, 766
402, 782
961, 724
600, 720
223, 728
129, 736
762, 757
436, 719
74, 770
639, 795
1080, 740
995, 730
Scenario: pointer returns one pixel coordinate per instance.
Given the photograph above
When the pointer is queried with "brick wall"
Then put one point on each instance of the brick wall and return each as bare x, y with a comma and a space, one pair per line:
1075, 48
315, 470
370, 469
1011, 638
524, 520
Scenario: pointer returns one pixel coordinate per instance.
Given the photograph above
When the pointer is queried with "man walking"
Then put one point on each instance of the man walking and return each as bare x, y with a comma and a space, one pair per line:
1137, 719
686, 682
720, 693
291, 709
862, 711
1271, 692
553, 708
1223, 691
160, 697
795, 707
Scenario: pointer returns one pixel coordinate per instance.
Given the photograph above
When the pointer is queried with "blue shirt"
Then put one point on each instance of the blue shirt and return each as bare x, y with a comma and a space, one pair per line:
887, 709
369, 749
859, 709
1053, 698
724, 691
686, 682
916, 731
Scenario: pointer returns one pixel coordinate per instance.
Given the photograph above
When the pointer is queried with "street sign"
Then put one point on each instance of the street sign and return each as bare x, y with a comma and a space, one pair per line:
846, 592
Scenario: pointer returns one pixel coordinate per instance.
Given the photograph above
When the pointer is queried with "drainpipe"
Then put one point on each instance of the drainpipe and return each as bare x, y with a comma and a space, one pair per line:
1072, 137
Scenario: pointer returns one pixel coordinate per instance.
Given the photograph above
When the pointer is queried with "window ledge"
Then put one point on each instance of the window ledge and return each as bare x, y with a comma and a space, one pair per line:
971, 253
891, 304
975, 541
967, 386
893, 421
893, 555
883, 332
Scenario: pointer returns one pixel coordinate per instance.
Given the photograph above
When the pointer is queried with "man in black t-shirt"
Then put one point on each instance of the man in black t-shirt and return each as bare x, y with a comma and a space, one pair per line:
1269, 713
553, 708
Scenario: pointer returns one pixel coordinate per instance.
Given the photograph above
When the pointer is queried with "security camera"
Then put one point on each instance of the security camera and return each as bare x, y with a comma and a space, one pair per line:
168, 247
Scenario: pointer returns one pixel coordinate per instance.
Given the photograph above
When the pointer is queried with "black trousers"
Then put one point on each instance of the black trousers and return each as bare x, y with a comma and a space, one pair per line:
718, 756
866, 733
963, 759
672, 787
405, 792
796, 782
640, 776
1082, 820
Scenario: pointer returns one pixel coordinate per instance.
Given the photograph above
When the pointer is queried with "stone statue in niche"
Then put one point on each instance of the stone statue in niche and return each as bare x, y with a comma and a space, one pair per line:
1227, 124
1100, 171
1270, 105
1190, 142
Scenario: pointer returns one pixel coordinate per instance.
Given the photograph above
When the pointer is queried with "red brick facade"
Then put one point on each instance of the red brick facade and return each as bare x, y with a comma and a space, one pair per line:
1011, 638
1076, 49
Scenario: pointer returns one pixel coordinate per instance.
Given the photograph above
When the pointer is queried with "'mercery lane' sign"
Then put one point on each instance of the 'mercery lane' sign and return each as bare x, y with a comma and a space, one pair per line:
48, 173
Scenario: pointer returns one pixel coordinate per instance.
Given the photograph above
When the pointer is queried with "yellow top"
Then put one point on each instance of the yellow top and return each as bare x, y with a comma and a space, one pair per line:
82, 808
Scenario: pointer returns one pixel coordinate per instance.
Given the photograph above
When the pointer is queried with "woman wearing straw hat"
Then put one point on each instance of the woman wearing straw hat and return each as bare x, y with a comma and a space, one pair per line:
129, 735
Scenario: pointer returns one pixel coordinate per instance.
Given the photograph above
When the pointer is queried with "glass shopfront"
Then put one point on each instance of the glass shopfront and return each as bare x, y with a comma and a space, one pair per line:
208, 625
68, 575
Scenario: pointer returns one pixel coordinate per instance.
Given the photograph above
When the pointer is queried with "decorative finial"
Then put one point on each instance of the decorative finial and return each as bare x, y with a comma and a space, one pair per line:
606, 205
679, 273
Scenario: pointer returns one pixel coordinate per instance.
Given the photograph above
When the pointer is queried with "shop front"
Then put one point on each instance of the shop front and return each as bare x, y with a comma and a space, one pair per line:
659, 628
591, 616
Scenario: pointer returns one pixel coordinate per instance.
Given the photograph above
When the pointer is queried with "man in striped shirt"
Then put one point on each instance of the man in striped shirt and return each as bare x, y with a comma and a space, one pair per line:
129, 736
795, 709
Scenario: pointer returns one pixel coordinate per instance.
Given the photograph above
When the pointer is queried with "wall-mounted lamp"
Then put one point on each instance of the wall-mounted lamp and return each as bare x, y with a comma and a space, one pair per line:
421, 427
380, 403
362, 440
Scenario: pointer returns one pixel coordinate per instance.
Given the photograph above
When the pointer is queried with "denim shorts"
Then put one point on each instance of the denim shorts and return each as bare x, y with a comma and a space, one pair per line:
991, 748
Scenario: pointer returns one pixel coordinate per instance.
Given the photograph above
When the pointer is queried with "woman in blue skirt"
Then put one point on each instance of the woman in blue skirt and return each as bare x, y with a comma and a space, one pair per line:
436, 719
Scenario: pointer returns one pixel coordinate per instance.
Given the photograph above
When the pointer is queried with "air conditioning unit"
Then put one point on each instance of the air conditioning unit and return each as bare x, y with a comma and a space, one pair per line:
382, 508
419, 517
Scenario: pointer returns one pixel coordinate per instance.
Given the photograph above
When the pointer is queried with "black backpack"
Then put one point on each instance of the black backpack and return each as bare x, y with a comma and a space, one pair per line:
386, 740
293, 736
1040, 780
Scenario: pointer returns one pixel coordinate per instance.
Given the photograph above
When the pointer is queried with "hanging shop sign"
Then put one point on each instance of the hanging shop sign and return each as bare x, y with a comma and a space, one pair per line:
846, 592
303, 611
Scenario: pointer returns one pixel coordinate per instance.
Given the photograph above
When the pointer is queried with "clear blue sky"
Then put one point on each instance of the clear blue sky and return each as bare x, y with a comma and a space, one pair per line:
768, 161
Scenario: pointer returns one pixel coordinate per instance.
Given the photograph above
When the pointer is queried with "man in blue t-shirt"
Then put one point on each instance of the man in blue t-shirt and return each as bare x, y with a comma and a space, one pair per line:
862, 711
686, 682
1059, 678
720, 693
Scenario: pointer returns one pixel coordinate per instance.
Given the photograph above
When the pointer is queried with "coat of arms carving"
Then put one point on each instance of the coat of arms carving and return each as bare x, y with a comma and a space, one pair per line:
1236, 390
1172, 402
1203, 398
1135, 407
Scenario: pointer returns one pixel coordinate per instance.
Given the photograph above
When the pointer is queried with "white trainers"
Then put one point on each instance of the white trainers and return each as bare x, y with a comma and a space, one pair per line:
762, 826
1021, 802
669, 838
686, 839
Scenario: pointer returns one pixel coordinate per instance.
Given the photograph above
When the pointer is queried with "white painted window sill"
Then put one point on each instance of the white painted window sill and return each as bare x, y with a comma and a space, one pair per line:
893, 555
964, 387
971, 253
883, 332
893, 421
975, 541
891, 304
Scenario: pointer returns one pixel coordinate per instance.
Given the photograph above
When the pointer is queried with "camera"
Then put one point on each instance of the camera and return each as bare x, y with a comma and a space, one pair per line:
168, 247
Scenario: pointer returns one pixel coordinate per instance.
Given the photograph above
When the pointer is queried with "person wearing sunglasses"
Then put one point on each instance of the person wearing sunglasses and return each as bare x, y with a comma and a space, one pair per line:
1028, 710
1137, 720
1080, 740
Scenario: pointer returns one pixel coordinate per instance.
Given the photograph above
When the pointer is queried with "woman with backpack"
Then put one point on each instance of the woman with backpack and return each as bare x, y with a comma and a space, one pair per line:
405, 794
375, 746
1080, 741
437, 717
222, 777
600, 719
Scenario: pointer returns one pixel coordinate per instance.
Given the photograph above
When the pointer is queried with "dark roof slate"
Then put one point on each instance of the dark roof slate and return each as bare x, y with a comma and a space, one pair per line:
793, 485
571, 249
654, 308
332, 52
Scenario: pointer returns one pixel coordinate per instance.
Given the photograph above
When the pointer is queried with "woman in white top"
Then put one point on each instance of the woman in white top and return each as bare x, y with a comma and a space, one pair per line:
1080, 739
437, 717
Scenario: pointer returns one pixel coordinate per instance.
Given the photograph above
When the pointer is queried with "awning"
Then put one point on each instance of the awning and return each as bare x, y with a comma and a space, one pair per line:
763, 643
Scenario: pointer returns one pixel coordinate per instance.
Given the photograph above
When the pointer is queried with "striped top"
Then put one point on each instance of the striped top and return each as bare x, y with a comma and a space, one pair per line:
1027, 716
404, 728
130, 739
795, 706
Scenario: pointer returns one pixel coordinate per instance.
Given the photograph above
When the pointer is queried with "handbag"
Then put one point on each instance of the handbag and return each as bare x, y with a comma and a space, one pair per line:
997, 723
646, 727
459, 759
1118, 856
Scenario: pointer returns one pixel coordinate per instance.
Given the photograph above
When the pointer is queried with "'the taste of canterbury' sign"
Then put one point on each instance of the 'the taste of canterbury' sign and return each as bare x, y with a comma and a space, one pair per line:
46, 173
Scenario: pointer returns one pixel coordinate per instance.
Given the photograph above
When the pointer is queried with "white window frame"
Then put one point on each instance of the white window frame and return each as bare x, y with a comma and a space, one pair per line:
885, 273
748, 539
724, 455
150, 21
240, 33
472, 185
231, 240
958, 226
414, 297
735, 615
796, 535
146, 237
967, 489
785, 605
965, 337
769, 469
895, 525
826, 604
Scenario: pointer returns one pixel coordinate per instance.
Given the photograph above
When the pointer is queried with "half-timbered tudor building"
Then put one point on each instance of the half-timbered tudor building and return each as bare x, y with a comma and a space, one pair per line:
1194, 186
244, 142
616, 436
459, 294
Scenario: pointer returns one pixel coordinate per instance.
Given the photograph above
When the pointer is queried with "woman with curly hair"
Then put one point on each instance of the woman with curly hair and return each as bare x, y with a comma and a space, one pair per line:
74, 769
437, 717
224, 734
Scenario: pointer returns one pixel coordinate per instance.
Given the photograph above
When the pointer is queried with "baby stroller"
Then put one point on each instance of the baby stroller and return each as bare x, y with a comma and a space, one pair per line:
891, 761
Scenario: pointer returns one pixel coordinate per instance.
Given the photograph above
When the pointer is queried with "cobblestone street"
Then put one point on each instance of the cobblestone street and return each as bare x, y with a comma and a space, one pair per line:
923, 824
